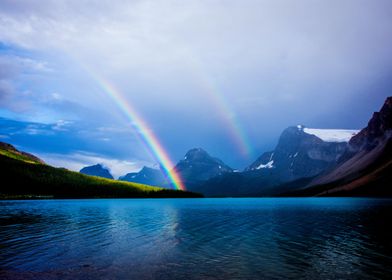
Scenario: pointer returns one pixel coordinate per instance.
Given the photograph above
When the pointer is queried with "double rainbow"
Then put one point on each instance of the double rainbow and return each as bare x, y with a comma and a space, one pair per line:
149, 138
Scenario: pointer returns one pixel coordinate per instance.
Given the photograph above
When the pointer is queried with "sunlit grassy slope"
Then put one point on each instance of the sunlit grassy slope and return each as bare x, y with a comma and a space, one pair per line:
25, 175
10, 151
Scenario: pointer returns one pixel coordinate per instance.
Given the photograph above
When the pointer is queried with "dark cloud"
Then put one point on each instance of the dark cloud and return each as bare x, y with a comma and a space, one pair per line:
274, 63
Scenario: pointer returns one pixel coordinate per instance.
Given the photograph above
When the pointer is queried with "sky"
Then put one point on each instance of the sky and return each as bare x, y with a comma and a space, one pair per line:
86, 82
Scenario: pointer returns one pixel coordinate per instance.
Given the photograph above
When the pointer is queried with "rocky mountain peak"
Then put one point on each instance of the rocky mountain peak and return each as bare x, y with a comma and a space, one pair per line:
298, 154
378, 127
97, 170
196, 154
198, 165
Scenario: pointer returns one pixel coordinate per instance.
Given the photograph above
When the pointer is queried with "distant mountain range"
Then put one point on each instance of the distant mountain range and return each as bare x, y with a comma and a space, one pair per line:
300, 153
26, 176
305, 161
196, 167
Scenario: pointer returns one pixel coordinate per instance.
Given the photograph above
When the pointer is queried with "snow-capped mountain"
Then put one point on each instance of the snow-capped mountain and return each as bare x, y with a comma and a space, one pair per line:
300, 153
306, 160
303, 152
366, 167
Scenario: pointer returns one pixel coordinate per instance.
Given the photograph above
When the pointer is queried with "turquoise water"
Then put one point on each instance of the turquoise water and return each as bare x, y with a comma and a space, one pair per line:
239, 238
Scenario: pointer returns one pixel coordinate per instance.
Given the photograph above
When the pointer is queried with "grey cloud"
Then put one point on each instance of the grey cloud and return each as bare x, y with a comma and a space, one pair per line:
6, 91
319, 62
11, 68
7, 73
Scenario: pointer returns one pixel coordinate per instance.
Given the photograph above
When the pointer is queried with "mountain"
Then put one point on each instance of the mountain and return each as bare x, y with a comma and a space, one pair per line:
198, 166
366, 167
97, 170
26, 176
146, 175
10, 151
300, 153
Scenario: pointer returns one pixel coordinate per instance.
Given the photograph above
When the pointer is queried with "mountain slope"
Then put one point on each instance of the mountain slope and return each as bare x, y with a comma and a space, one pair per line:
10, 151
146, 175
26, 176
367, 165
97, 170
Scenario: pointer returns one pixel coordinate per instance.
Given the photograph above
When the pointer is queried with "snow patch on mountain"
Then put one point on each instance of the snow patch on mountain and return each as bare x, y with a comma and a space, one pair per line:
267, 165
332, 135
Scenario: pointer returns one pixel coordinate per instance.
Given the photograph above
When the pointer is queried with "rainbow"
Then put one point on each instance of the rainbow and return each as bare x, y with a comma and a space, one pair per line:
228, 116
144, 132
226, 113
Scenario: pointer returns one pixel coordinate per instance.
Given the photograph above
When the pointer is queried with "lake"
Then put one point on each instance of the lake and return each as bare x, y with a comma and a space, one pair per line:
223, 238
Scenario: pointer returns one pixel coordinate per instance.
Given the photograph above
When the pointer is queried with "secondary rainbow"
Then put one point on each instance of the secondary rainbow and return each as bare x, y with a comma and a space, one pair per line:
227, 114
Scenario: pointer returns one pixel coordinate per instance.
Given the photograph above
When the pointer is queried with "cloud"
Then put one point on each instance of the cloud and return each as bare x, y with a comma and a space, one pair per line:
62, 125
319, 62
283, 50
79, 159
29, 88
7, 72
13, 69
13, 65
6, 91
97, 144
34, 129
88, 141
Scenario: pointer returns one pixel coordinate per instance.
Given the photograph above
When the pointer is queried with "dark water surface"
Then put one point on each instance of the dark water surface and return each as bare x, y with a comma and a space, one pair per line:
260, 238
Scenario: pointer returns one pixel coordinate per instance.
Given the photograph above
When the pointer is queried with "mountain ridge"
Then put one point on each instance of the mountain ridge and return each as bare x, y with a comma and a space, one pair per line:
305, 162
360, 164
297, 155
9, 150
25, 178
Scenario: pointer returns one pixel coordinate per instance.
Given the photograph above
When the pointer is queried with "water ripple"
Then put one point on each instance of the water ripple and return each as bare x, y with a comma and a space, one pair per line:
196, 239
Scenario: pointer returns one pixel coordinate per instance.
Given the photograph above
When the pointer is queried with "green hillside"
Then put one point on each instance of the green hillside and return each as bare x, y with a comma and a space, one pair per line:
25, 176
9, 151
